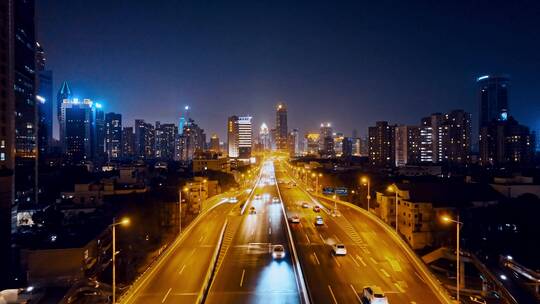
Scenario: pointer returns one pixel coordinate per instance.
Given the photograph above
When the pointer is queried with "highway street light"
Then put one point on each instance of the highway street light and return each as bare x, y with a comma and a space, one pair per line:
394, 189
185, 189
448, 219
124, 222
366, 181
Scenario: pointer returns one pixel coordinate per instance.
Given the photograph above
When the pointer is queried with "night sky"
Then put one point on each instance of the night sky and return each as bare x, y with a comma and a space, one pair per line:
347, 62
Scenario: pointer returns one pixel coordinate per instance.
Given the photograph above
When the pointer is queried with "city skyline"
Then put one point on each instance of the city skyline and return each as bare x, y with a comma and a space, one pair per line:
349, 81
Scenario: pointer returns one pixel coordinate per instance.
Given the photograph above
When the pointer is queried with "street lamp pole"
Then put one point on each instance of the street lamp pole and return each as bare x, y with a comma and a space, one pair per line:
395, 189
125, 221
367, 181
458, 266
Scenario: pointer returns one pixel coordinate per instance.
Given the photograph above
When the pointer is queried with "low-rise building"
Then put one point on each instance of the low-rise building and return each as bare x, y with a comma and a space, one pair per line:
214, 164
420, 206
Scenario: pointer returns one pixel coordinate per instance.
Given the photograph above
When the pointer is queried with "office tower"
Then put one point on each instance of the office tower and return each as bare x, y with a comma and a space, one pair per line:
128, 142
382, 144
190, 142
7, 136
312, 143
232, 136
78, 129
45, 102
165, 140
493, 95
245, 137
456, 137
281, 127
356, 146
184, 118
144, 139
264, 137
63, 93
338, 143
98, 139
294, 143
214, 143
347, 147
506, 142
113, 135
326, 140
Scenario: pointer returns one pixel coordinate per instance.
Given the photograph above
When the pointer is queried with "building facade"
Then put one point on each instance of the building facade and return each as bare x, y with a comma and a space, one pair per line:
382, 144
282, 131
113, 135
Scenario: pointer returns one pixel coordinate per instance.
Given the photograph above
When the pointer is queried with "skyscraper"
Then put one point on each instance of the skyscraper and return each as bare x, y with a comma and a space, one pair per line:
165, 140
239, 136
128, 142
294, 143
214, 143
191, 141
232, 136
184, 118
98, 138
382, 144
326, 140
113, 135
264, 137
456, 137
63, 93
144, 139
78, 129
493, 95
45, 102
281, 127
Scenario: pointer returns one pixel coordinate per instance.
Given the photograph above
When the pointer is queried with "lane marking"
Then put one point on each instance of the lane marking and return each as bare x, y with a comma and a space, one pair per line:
356, 293
182, 269
354, 260
337, 262
201, 239
399, 288
322, 239
385, 273
337, 239
307, 237
420, 277
361, 260
269, 219
373, 260
192, 252
242, 279
269, 230
332, 293
166, 295
316, 258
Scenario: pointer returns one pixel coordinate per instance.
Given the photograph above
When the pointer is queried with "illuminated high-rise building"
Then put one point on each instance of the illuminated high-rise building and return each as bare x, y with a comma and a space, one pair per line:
264, 137
311, 143
128, 142
294, 143
184, 118
326, 140
63, 93
493, 98
214, 143
165, 140
382, 144
45, 102
281, 127
113, 135
239, 136
145, 139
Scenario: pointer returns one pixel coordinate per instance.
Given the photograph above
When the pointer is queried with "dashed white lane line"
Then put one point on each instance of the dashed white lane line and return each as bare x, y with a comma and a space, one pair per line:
399, 287
385, 273
420, 277
361, 260
166, 295
336, 260
356, 294
373, 260
192, 252
354, 260
307, 238
316, 258
182, 269
269, 230
201, 239
270, 219
332, 294
322, 239
242, 278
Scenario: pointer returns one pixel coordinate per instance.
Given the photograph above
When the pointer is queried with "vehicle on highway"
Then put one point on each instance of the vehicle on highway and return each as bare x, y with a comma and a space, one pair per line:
316, 208
257, 197
374, 295
309, 189
477, 299
275, 200
252, 210
233, 199
319, 220
339, 249
305, 205
295, 219
278, 252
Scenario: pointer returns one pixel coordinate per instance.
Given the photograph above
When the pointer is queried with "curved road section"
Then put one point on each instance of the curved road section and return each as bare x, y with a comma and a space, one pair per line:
372, 259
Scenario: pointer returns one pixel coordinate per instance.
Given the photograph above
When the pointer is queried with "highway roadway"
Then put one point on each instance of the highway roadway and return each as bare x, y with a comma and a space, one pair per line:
248, 273
372, 259
178, 279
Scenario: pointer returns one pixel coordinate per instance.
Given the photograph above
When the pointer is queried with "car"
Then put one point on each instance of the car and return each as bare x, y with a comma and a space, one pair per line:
252, 210
477, 299
305, 205
319, 220
316, 208
257, 197
278, 252
275, 200
339, 249
309, 189
295, 219
233, 199
374, 295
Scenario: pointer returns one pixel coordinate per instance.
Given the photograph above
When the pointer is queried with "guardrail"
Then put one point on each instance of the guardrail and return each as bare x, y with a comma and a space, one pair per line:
300, 279
434, 284
150, 271
208, 278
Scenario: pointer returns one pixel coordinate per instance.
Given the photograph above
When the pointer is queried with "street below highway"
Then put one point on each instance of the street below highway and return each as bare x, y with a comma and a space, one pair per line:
373, 258
249, 273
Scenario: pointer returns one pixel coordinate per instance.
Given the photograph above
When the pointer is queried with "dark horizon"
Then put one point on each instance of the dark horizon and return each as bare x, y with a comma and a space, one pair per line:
369, 62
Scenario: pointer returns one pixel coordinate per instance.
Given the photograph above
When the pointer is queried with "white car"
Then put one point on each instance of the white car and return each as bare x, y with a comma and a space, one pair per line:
278, 252
295, 219
339, 249
275, 200
233, 200
374, 295
319, 221
257, 197
305, 205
